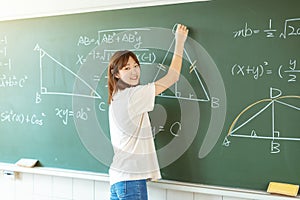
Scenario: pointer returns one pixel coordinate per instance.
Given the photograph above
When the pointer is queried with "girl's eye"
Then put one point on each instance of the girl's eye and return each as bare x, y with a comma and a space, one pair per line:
128, 67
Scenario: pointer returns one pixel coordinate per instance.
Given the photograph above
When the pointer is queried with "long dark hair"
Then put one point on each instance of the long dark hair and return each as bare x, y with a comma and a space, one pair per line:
118, 60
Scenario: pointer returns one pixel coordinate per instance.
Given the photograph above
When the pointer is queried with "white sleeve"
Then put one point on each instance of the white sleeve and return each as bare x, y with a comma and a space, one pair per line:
142, 98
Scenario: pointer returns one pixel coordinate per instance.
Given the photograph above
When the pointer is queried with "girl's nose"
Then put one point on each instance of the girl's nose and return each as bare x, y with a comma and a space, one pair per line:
134, 71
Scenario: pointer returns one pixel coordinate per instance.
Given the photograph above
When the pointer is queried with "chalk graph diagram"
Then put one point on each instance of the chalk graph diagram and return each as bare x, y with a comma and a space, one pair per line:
271, 104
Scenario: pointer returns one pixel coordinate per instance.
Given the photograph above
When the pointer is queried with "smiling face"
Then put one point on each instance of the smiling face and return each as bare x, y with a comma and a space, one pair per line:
123, 72
130, 73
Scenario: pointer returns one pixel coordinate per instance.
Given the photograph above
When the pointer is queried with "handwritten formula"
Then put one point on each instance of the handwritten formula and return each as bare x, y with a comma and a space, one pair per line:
287, 71
291, 28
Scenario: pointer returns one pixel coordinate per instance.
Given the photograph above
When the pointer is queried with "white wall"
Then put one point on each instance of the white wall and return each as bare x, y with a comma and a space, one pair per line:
15, 9
42, 183
29, 186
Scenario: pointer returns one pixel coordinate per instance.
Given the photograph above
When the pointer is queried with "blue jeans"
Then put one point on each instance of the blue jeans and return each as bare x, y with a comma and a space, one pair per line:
129, 190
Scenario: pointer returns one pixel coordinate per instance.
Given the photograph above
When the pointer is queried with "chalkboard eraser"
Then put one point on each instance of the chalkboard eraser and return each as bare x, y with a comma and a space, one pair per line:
283, 189
26, 162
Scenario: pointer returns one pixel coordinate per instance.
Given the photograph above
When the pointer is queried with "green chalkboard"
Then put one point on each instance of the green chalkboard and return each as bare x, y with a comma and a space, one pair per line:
231, 120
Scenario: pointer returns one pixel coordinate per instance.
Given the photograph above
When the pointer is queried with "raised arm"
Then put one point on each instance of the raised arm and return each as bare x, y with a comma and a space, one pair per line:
174, 70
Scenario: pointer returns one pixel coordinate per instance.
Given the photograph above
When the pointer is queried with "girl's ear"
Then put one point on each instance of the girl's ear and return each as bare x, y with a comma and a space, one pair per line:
114, 75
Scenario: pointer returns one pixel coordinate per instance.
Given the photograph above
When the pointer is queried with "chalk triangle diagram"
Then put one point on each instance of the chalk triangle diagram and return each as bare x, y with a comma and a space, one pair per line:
183, 89
58, 79
287, 115
249, 122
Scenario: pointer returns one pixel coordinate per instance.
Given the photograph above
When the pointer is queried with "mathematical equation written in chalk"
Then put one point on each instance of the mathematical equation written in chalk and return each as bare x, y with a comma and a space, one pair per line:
7, 80
12, 81
64, 114
5, 60
12, 116
174, 129
287, 71
291, 28
131, 36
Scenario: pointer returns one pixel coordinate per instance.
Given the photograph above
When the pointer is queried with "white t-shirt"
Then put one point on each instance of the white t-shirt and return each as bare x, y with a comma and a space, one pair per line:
131, 135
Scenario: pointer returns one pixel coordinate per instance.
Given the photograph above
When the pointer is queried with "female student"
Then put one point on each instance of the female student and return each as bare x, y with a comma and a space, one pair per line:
135, 160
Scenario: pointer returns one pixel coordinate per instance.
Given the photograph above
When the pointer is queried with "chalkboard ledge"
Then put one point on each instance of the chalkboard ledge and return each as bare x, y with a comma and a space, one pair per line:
163, 184
221, 191
55, 172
